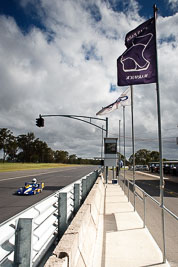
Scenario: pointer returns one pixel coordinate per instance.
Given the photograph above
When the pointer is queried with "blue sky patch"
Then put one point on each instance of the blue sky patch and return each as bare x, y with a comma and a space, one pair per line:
94, 12
145, 7
90, 52
26, 18
112, 88
170, 39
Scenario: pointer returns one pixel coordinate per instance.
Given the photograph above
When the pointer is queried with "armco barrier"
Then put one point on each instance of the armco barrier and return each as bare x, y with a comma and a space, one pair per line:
40, 225
76, 247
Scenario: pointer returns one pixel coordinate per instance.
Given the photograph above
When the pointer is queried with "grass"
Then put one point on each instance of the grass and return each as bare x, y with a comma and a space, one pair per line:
6, 167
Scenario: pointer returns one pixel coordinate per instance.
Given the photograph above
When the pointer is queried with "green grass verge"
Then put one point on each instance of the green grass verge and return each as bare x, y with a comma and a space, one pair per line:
6, 167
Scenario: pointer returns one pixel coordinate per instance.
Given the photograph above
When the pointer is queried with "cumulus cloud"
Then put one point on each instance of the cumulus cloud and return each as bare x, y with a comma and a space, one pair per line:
69, 66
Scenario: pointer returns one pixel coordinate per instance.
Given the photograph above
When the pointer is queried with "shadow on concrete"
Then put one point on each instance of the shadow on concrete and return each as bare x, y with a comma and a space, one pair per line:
110, 223
156, 264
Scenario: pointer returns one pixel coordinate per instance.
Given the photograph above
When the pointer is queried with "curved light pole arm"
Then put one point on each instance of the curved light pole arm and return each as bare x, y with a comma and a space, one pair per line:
82, 118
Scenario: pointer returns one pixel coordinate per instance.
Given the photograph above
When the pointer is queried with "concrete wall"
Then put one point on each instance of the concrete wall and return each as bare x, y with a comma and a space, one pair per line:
76, 247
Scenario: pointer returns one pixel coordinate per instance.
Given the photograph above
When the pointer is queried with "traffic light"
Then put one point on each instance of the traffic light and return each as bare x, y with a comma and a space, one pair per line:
40, 122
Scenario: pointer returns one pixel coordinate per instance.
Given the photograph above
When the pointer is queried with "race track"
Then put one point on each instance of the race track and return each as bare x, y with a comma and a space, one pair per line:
54, 179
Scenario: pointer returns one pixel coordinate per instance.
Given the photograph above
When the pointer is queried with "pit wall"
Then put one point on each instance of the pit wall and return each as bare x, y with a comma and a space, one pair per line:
77, 245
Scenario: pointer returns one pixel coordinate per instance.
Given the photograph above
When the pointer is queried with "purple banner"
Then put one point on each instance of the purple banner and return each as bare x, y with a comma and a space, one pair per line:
137, 65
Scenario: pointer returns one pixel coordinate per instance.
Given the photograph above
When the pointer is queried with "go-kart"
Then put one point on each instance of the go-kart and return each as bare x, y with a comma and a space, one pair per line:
30, 188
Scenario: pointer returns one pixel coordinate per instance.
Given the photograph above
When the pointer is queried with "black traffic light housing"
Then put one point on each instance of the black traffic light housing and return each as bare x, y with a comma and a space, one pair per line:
40, 122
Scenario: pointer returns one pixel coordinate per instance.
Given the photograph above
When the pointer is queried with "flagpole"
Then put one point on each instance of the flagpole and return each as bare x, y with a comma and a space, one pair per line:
106, 136
119, 146
119, 151
124, 141
133, 143
102, 144
160, 144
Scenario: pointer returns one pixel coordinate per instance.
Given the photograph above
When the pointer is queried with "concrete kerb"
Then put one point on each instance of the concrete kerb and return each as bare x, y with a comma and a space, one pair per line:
76, 247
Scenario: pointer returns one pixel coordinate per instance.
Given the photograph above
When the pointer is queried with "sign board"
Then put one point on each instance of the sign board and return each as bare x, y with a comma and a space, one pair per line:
110, 152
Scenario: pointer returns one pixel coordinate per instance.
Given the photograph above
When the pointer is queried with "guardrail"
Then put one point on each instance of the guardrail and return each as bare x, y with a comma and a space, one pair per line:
26, 237
141, 194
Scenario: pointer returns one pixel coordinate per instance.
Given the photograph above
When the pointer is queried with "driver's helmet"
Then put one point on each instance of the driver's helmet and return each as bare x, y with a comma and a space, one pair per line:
34, 180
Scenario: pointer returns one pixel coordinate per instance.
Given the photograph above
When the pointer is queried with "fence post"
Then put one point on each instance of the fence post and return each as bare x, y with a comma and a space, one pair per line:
96, 174
62, 213
128, 191
84, 189
88, 180
92, 179
144, 203
76, 197
23, 243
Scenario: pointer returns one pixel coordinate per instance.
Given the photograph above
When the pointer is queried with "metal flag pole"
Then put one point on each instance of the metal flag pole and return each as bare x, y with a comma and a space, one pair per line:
119, 149
102, 145
106, 136
160, 144
133, 142
124, 141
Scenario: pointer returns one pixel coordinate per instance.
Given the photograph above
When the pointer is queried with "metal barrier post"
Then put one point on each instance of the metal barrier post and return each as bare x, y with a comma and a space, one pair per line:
23, 243
88, 181
134, 194
128, 191
113, 172
93, 178
106, 174
62, 213
84, 189
76, 197
144, 202
96, 174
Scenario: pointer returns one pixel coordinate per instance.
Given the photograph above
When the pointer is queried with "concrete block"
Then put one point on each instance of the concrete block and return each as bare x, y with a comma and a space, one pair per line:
88, 245
78, 241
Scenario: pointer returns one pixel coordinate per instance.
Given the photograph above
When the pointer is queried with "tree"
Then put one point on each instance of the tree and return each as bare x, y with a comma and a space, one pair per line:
61, 156
49, 155
26, 144
154, 156
12, 149
72, 159
40, 148
7, 140
142, 157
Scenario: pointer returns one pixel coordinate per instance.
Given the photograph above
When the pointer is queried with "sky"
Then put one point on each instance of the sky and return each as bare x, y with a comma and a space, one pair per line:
59, 57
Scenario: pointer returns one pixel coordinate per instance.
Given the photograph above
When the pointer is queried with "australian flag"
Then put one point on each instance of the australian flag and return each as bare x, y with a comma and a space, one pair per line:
137, 65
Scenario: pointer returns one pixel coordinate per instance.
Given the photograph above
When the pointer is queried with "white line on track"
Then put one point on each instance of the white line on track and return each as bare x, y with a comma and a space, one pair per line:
38, 174
147, 174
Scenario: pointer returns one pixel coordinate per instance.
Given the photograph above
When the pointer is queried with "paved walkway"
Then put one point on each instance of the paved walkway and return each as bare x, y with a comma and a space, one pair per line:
122, 241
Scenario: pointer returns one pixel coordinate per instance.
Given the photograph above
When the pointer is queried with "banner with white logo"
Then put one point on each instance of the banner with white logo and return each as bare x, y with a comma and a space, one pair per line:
137, 65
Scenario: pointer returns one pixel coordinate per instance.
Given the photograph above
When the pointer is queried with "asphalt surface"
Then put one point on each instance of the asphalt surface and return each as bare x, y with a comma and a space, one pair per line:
54, 179
153, 212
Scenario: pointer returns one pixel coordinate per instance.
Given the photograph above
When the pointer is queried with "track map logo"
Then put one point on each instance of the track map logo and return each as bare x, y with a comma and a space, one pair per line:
133, 59
137, 65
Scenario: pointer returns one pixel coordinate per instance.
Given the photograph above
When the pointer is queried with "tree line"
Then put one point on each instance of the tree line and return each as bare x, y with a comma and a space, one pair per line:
144, 156
27, 148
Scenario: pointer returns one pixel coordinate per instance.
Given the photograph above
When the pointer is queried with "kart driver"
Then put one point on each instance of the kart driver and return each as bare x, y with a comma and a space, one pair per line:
34, 181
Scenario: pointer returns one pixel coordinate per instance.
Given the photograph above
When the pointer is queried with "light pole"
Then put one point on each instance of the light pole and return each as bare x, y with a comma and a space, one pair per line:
79, 118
